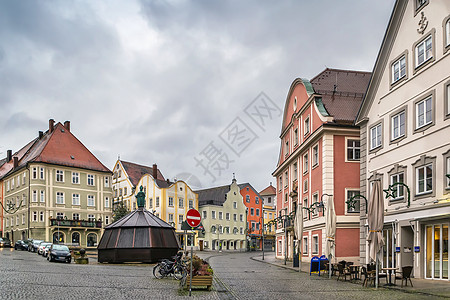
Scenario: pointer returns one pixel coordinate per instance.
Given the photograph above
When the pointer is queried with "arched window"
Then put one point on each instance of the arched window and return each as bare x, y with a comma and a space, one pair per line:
58, 237
92, 240
76, 238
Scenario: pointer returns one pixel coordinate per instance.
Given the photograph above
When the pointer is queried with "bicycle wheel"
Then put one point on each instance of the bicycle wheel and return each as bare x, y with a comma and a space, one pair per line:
179, 272
158, 271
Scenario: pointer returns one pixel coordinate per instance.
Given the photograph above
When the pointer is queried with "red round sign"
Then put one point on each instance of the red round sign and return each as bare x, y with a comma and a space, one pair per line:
193, 217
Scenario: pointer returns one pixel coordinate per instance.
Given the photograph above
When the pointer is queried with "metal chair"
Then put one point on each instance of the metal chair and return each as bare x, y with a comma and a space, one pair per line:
405, 274
343, 271
369, 276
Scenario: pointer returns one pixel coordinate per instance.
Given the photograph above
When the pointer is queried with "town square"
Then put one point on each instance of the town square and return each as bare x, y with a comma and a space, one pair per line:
162, 149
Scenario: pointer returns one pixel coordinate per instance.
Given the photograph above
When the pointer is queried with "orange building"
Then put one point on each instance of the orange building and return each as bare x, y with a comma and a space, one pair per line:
255, 218
319, 161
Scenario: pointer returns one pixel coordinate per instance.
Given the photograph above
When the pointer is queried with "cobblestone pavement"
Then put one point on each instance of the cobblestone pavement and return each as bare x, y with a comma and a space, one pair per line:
239, 277
25, 275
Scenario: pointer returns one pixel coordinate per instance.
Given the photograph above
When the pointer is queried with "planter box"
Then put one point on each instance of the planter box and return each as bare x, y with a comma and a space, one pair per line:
199, 281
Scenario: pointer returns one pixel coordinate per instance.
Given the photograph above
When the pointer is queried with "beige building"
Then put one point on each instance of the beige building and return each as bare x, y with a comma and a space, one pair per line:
405, 138
57, 190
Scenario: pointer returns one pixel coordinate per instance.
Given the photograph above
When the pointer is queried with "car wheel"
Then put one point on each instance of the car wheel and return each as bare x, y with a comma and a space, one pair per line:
50, 258
69, 260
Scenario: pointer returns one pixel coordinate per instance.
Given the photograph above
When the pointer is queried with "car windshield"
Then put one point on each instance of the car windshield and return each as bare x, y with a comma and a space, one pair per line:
37, 242
60, 247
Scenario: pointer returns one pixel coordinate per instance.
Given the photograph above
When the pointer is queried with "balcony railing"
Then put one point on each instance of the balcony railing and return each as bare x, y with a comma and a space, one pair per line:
75, 223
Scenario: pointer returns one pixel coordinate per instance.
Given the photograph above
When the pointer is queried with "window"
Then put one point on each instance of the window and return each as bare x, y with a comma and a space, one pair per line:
305, 186
90, 200
286, 198
180, 202
296, 136
41, 216
205, 214
91, 218
399, 69
399, 189
75, 177
227, 216
305, 204
447, 33
41, 174
398, 125
424, 179
315, 157
252, 211
59, 215
253, 226
34, 199
423, 50
247, 198
286, 149
170, 218
305, 245
7, 186
355, 208
305, 163
17, 220
375, 136
315, 199
257, 200
106, 220
125, 192
180, 219
75, 216
286, 179
170, 201
220, 215
24, 177
281, 183
257, 226
294, 171
75, 199
35, 217
23, 219
12, 183
34, 173
42, 196
315, 244
59, 176
241, 218
447, 172
306, 128
353, 150
59, 198
191, 204
106, 201
106, 181
257, 212
235, 215
241, 230
213, 214
157, 202
269, 199
234, 204
424, 113
150, 202
447, 100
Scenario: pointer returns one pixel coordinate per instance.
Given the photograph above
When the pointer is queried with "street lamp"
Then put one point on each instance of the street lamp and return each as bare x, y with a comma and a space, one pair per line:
391, 191
352, 202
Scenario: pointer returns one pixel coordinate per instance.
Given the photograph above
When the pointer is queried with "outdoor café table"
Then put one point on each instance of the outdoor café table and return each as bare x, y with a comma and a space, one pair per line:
390, 270
354, 270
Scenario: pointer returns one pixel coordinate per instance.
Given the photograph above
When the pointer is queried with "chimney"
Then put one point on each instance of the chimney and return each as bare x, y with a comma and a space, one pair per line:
155, 171
51, 124
41, 134
67, 125
16, 162
8, 155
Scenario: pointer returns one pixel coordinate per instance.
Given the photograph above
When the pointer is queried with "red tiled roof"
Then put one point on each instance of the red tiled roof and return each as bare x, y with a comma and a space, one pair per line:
342, 92
59, 147
270, 190
135, 172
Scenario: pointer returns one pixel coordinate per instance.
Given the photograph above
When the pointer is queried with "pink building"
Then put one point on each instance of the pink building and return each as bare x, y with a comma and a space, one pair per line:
319, 160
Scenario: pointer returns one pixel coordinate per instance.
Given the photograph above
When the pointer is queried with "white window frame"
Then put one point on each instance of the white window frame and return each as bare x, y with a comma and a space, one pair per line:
59, 175
305, 163
296, 136
41, 216
400, 189
205, 214
213, 214
180, 202
357, 206
306, 126
74, 198
295, 170
398, 66
42, 196
315, 244
425, 178
376, 136
41, 173
75, 178
353, 148
106, 181
396, 125
90, 180
315, 198
34, 196
426, 55
315, 156
90, 200
59, 197
426, 113
107, 203
35, 173
305, 245
34, 219
76, 216
106, 220
448, 172
171, 201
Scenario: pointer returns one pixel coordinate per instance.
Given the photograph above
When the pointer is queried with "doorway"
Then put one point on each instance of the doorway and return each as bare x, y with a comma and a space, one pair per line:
407, 246
436, 251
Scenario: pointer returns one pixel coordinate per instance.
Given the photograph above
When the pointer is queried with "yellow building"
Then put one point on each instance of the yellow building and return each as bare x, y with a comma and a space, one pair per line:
269, 208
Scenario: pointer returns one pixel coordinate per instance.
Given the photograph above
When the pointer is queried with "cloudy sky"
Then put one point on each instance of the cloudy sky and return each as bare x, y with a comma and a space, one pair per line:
175, 83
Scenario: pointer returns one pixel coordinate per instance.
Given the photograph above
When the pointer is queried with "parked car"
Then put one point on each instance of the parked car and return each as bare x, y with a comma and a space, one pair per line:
29, 242
34, 245
5, 242
59, 252
41, 247
46, 249
20, 245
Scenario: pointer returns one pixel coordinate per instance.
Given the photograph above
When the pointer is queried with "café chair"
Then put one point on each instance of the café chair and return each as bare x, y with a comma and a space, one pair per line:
405, 274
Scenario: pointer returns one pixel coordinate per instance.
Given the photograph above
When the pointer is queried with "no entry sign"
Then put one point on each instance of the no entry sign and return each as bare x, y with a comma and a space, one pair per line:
193, 217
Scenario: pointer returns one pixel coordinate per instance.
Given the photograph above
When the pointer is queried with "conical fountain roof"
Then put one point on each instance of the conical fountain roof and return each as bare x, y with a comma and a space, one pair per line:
139, 218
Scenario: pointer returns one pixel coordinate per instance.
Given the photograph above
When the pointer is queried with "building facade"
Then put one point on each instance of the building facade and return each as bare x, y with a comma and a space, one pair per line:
224, 218
269, 210
405, 130
58, 189
319, 161
253, 202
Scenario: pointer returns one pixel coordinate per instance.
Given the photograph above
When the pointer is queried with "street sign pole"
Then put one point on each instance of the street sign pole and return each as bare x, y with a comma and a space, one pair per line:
193, 218
192, 250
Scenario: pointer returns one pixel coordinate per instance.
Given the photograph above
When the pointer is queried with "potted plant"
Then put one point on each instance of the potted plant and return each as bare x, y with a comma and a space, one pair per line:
202, 273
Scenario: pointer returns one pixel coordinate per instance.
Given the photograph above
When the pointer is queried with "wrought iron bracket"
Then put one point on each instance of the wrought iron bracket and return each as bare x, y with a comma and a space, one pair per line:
391, 191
